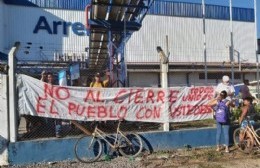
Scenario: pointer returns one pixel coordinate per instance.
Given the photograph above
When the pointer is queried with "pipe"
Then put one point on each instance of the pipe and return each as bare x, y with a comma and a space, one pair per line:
87, 9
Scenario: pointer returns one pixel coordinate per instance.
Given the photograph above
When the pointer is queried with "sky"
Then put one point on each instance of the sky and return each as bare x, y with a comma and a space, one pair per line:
235, 3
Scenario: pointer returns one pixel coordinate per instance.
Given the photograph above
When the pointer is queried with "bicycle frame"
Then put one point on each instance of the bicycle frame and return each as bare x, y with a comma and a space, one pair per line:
100, 134
251, 130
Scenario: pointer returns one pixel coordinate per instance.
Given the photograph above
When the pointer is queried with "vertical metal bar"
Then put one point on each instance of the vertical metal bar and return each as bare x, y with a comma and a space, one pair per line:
123, 61
256, 50
117, 71
204, 42
12, 92
167, 46
231, 42
110, 54
239, 61
164, 78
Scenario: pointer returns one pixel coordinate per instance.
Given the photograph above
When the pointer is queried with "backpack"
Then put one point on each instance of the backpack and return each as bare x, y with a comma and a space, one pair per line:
222, 111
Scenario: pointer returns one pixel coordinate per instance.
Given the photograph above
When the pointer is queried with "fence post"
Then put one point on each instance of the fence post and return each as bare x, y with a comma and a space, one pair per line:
4, 131
12, 92
164, 84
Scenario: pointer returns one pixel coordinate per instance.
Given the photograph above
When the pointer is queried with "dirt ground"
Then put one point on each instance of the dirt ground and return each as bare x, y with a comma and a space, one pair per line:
185, 158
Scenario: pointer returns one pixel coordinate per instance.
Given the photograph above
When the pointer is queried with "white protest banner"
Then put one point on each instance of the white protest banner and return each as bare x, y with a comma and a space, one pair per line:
133, 104
190, 103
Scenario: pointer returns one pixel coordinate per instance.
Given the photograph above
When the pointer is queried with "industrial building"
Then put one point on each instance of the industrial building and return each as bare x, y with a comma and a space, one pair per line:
49, 29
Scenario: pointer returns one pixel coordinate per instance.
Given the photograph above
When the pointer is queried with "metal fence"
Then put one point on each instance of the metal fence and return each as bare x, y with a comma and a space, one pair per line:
32, 127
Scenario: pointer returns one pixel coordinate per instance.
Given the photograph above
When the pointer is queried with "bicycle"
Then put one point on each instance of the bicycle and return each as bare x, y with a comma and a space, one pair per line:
126, 144
247, 138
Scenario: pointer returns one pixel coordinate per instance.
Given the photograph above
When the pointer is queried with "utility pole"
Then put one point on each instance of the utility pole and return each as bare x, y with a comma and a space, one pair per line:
231, 42
256, 49
204, 42
164, 63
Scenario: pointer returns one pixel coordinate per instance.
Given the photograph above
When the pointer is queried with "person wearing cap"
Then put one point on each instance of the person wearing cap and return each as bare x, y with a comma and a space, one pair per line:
98, 83
225, 85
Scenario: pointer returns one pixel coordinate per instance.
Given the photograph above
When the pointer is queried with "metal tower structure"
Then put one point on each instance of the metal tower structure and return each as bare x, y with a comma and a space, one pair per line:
110, 24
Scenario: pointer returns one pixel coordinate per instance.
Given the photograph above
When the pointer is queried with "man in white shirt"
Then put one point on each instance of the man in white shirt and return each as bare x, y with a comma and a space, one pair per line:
225, 85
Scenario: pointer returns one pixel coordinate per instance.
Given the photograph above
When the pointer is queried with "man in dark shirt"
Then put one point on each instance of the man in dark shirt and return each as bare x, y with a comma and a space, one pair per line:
244, 90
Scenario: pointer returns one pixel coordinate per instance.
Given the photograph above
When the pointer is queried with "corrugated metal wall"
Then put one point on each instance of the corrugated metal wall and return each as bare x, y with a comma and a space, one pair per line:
177, 79
186, 40
185, 35
160, 7
175, 9
244, 41
58, 4
1, 26
137, 79
22, 21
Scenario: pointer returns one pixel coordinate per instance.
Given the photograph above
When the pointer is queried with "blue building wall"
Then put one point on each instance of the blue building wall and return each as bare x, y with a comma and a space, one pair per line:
159, 7
50, 150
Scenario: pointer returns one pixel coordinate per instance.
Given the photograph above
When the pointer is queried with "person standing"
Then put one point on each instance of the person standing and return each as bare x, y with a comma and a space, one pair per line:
222, 113
244, 90
98, 83
57, 122
248, 112
225, 85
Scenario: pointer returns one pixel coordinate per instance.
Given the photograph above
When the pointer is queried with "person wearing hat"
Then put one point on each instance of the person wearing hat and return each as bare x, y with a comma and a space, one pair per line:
225, 85
98, 82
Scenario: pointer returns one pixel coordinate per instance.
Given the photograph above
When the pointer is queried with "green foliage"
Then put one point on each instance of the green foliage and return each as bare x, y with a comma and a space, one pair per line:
257, 108
236, 112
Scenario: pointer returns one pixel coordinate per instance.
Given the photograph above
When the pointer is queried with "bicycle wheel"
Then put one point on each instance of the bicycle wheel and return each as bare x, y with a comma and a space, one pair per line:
88, 150
247, 144
130, 145
243, 140
236, 136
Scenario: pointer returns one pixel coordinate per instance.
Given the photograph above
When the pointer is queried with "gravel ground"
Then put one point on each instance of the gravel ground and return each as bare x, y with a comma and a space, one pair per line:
189, 158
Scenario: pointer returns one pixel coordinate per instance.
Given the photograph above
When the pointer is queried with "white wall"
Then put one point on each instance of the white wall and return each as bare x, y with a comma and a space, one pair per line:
186, 39
22, 21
